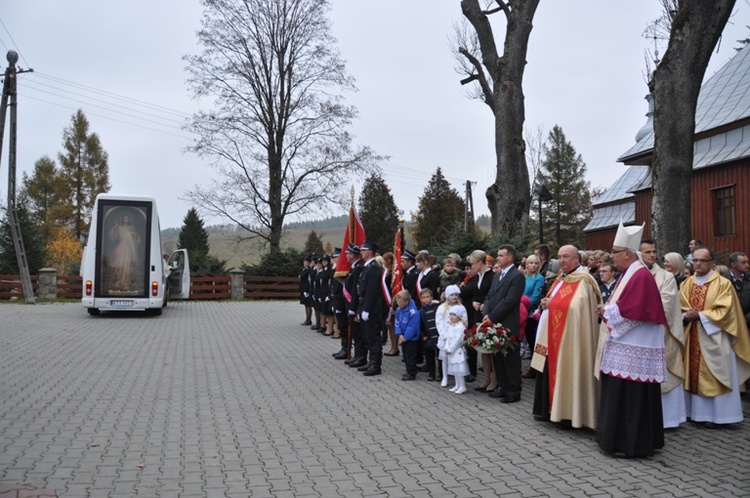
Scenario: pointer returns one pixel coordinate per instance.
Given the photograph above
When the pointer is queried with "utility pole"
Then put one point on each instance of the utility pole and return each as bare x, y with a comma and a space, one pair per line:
469, 209
10, 94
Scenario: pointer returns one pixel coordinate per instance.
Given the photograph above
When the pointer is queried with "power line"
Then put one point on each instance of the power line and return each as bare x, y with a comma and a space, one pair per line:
14, 44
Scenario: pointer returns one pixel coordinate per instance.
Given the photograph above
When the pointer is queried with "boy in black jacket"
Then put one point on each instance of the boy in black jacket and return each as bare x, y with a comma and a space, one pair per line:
429, 333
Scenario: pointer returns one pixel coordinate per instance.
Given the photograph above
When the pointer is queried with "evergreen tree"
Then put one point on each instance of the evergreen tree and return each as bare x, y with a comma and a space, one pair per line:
440, 208
84, 173
33, 243
43, 193
193, 236
314, 243
563, 173
378, 212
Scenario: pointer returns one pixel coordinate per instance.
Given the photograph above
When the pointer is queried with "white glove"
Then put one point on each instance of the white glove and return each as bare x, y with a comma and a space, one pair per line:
351, 313
306, 294
328, 298
365, 316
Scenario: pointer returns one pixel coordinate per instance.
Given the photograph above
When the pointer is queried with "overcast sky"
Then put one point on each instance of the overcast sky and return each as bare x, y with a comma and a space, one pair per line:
121, 62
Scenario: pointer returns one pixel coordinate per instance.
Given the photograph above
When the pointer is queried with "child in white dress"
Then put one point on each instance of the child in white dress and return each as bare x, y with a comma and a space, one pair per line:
442, 315
455, 354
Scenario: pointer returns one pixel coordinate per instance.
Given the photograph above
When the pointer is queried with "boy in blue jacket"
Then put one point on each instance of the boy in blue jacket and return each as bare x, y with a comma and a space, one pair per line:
429, 333
408, 323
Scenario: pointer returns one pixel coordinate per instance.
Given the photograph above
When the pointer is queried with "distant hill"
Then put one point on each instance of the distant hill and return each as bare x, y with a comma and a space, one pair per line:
229, 242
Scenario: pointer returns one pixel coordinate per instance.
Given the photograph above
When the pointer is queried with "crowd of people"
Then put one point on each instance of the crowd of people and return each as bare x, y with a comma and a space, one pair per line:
617, 343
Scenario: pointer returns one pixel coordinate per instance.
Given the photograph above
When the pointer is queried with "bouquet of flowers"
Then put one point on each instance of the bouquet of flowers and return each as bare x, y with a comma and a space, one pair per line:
490, 338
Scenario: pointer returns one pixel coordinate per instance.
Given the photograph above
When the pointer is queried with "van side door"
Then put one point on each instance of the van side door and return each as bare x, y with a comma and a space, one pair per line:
179, 275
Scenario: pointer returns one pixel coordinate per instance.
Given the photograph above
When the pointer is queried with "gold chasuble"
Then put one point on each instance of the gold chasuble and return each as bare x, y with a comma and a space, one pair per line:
708, 371
566, 343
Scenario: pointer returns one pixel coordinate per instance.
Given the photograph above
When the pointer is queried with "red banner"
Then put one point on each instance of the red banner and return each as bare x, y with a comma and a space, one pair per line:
355, 233
398, 249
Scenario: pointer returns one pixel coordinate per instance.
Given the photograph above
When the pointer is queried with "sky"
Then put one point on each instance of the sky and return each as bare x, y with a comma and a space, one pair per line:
122, 64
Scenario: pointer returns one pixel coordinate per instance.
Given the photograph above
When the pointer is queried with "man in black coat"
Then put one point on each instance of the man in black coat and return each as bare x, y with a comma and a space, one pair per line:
351, 295
410, 275
502, 305
370, 307
305, 289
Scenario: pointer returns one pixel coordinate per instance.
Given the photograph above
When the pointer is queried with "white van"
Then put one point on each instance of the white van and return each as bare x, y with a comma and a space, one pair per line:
122, 267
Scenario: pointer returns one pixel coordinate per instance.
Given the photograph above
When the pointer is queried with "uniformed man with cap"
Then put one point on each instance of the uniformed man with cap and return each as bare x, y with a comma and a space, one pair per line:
351, 296
370, 307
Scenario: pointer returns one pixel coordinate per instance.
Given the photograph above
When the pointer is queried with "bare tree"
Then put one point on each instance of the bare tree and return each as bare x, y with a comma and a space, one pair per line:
276, 131
500, 80
696, 26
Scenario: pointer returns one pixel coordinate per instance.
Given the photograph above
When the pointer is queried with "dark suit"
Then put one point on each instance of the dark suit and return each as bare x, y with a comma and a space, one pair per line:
430, 281
351, 284
409, 282
371, 301
474, 291
502, 305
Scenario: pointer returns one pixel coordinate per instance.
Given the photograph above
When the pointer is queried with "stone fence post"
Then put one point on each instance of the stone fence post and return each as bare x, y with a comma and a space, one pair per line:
237, 280
47, 284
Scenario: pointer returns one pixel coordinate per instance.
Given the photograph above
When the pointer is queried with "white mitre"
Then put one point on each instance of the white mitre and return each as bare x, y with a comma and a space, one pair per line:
629, 237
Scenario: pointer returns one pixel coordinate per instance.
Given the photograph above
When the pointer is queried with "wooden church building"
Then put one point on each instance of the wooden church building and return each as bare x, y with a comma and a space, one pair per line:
720, 216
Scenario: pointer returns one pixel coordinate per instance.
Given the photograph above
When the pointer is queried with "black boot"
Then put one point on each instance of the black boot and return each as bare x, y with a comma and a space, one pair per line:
341, 355
374, 369
358, 362
364, 367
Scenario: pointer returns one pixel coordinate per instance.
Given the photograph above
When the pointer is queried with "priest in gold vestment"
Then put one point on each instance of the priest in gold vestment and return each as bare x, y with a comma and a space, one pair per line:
717, 346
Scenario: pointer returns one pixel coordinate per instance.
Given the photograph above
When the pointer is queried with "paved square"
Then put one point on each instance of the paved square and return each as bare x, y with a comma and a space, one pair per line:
237, 399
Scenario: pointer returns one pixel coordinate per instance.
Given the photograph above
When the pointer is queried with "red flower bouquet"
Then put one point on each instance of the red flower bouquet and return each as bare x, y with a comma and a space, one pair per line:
489, 338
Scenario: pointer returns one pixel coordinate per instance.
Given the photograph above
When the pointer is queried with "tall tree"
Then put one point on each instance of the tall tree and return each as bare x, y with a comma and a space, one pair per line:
563, 172
500, 79
193, 235
277, 128
378, 212
84, 173
440, 208
43, 192
694, 29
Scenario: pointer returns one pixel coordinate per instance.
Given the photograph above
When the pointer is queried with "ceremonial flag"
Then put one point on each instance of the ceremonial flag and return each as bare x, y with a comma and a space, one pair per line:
355, 234
398, 250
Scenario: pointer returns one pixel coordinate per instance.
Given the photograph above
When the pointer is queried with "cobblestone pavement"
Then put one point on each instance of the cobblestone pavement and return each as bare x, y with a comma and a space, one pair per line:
237, 399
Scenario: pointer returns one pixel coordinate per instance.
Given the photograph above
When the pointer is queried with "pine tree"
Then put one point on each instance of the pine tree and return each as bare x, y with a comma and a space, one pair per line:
193, 236
563, 173
378, 212
84, 173
313, 244
33, 243
440, 208
43, 193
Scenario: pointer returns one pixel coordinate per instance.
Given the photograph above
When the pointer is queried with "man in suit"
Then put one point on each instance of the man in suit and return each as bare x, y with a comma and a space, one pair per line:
410, 274
370, 307
351, 295
502, 305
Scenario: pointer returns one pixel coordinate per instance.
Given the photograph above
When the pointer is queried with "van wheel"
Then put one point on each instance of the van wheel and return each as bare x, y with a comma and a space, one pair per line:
156, 311
93, 311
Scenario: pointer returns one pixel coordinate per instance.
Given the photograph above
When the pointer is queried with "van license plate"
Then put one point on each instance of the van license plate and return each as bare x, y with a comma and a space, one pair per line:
121, 303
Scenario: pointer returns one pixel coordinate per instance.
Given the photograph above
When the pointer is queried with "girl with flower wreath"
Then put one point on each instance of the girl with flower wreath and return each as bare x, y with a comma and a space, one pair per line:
455, 354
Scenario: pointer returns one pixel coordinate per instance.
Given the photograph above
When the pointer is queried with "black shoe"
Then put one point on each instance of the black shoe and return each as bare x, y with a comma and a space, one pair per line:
439, 378
337, 353
498, 393
373, 370
364, 367
541, 418
470, 378
431, 378
341, 355
314, 327
306, 323
350, 360
481, 389
511, 398
408, 377
358, 362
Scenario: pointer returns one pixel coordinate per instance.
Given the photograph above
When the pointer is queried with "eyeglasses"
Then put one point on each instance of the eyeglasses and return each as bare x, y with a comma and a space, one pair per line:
702, 260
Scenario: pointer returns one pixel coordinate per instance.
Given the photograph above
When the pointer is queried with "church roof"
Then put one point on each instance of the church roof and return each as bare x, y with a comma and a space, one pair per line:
619, 190
724, 99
